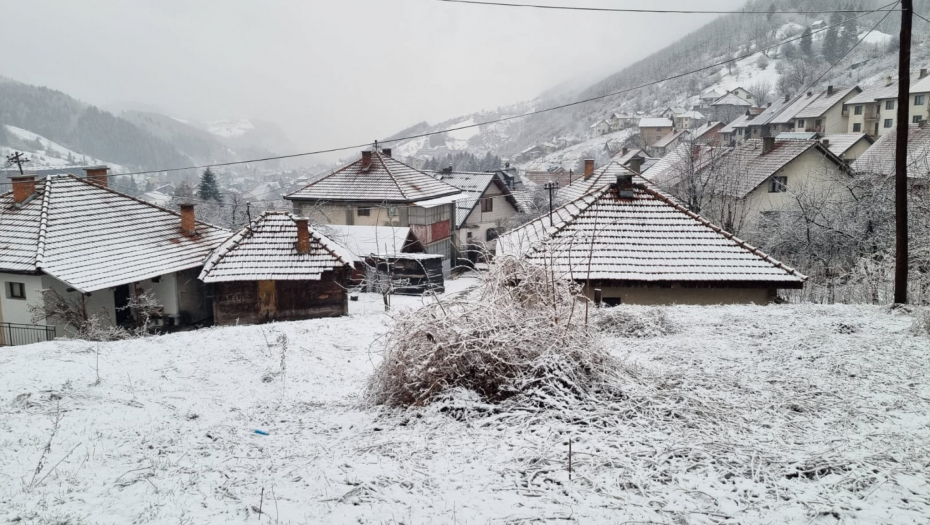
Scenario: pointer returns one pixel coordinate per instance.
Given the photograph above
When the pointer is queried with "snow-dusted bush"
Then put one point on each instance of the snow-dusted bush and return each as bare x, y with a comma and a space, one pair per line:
520, 332
921, 324
623, 321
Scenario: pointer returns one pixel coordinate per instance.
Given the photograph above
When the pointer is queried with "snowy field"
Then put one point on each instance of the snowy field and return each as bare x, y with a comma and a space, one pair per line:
781, 414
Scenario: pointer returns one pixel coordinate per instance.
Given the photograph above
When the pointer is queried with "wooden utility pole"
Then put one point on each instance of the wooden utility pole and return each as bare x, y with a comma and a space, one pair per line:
18, 159
900, 165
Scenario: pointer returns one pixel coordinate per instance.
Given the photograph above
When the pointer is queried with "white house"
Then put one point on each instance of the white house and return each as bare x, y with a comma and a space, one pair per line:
478, 217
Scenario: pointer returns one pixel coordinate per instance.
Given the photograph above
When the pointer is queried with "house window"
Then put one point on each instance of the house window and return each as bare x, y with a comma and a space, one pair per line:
918, 100
468, 235
16, 290
800, 123
491, 234
817, 123
916, 119
778, 184
857, 110
857, 127
392, 212
889, 104
364, 212
889, 122
487, 205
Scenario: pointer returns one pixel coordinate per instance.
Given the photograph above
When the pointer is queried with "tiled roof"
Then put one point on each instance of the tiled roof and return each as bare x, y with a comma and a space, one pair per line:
791, 109
473, 184
684, 160
797, 135
840, 142
750, 167
655, 122
669, 138
730, 99
648, 238
93, 238
691, 114
875, 92
739, 122
386, 180
698, 133
266, 249
922, 85
601, 176
824, 102
362, 241
879, 158
711, 95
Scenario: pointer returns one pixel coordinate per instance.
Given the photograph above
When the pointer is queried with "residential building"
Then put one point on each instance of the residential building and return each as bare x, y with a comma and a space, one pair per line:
379, 190
873, 109
594, 178
689, 119
709, 97
825, 112
709, 133
620, 121
601, 127
847, 146
669, 142
99, 248
653, 129
738, 130
479, 217
880, 158
630, 243
277, 268
672, 111
918, 104
729, 107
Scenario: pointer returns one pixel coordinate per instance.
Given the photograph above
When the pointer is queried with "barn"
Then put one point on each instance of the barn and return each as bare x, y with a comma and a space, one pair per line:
277, 268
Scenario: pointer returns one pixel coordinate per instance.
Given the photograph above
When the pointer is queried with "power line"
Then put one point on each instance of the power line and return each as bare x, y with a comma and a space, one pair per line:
646, 11
503, 119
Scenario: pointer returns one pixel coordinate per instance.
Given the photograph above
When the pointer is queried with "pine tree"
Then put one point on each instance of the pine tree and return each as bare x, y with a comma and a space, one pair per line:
207, 189
807, 42
771, 13
831, 46
850, 35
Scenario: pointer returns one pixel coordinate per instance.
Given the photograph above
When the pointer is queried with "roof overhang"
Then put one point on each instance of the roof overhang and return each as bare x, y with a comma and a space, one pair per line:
439, 201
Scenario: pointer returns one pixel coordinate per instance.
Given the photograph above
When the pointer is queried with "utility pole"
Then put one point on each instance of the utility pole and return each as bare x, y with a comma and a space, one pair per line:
900, 165
551, 186
18, 159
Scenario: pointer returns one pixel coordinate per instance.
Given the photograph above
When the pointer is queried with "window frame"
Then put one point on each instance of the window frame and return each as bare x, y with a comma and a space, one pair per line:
16, 290
487, 204
800, 123
778, 184
362, 212
916, 119
857, 109
889, 123
918, 100
857, 127
889, 104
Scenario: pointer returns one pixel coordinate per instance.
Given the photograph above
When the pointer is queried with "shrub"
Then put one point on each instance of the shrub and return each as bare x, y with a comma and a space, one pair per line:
623, 321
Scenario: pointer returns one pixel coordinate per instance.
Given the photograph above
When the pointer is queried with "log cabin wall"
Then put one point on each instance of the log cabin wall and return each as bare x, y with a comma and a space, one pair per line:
254, 302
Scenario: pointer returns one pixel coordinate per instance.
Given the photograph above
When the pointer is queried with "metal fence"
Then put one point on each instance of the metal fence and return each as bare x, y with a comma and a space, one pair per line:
13, 334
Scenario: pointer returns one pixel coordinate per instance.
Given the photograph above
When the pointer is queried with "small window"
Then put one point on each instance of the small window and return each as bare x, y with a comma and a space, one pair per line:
392, 212
16, 290
817, 123
889, 122
487, 205
916, 119
857, 127
491, 234
468, 235
778, 184
889, 104
857, 110
918, 100
800, 123
364, 212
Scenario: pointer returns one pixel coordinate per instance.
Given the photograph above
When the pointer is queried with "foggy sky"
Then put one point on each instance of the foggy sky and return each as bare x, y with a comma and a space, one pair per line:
330, 72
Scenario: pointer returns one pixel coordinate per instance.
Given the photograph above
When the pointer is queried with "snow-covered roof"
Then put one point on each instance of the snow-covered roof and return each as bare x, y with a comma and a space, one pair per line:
921, 86
266, 249
156, 197
362, 241
710, 127
474, 185
731, 99
798, 135
685, 160
385, 180
876, 92
93, 238
599, 122
770, 112
671, 137
695, 115
739, 122
749, 167
625, 157
655, 122
823, 102
647, 238
603, 175
880, 157
839, 143
792, 108
711, 95
622, 116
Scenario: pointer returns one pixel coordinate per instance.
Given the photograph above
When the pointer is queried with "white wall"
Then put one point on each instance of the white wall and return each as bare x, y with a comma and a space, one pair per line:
479, 222
17, 310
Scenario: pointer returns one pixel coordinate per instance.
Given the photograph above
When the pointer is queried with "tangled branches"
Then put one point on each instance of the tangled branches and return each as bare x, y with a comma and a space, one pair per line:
519, 333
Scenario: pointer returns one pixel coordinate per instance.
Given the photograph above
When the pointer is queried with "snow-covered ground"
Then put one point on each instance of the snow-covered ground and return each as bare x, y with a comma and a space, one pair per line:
230, 128
52, 154
570, 156
779, 414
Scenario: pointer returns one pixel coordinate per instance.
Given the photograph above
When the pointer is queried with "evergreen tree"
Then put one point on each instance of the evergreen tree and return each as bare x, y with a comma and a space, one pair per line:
207, 189
807, 42
850, 35
771, 13
831, 46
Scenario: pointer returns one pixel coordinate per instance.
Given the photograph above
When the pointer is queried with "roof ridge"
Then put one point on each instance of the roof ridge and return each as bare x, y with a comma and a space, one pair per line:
322, 239
231, 242
340, 170
391, 174
43, 222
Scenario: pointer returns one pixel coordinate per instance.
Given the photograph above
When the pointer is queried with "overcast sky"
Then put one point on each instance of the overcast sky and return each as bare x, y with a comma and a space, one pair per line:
330, 72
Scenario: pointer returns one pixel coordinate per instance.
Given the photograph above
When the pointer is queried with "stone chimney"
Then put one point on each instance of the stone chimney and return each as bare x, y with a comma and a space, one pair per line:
636, 164
787, 97
588, 168
829, 90
188, 220
386, 152
23, 188
768, 144
810, 93
97, 175
303, 234
625, 186
624, 151
826, 143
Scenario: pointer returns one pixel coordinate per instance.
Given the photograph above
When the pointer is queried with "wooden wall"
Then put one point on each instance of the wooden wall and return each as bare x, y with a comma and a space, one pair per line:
252, 302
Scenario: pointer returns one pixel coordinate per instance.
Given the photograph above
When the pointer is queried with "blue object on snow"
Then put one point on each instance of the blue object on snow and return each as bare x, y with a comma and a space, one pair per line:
261, 432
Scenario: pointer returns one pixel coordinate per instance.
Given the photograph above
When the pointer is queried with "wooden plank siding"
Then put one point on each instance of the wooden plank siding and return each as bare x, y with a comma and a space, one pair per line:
254, 302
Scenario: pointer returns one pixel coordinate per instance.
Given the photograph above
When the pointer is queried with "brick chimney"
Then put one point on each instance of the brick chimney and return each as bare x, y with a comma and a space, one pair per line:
97, 175
366, 160
386, 152
923, 73
787, 97
889, 81
636, 164
810, 93
826, 143
829, 90
588, 168
23, 188
624, 151
768, 144
188, 221
625, 186
303, 234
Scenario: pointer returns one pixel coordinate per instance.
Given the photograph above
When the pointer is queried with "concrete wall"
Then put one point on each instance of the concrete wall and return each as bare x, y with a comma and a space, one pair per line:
101, 303
653, 135
856, 151
17, 310
654, 295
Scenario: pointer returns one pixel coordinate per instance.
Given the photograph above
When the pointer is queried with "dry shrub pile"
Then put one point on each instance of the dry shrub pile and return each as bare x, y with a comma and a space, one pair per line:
622, 321
520, 332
